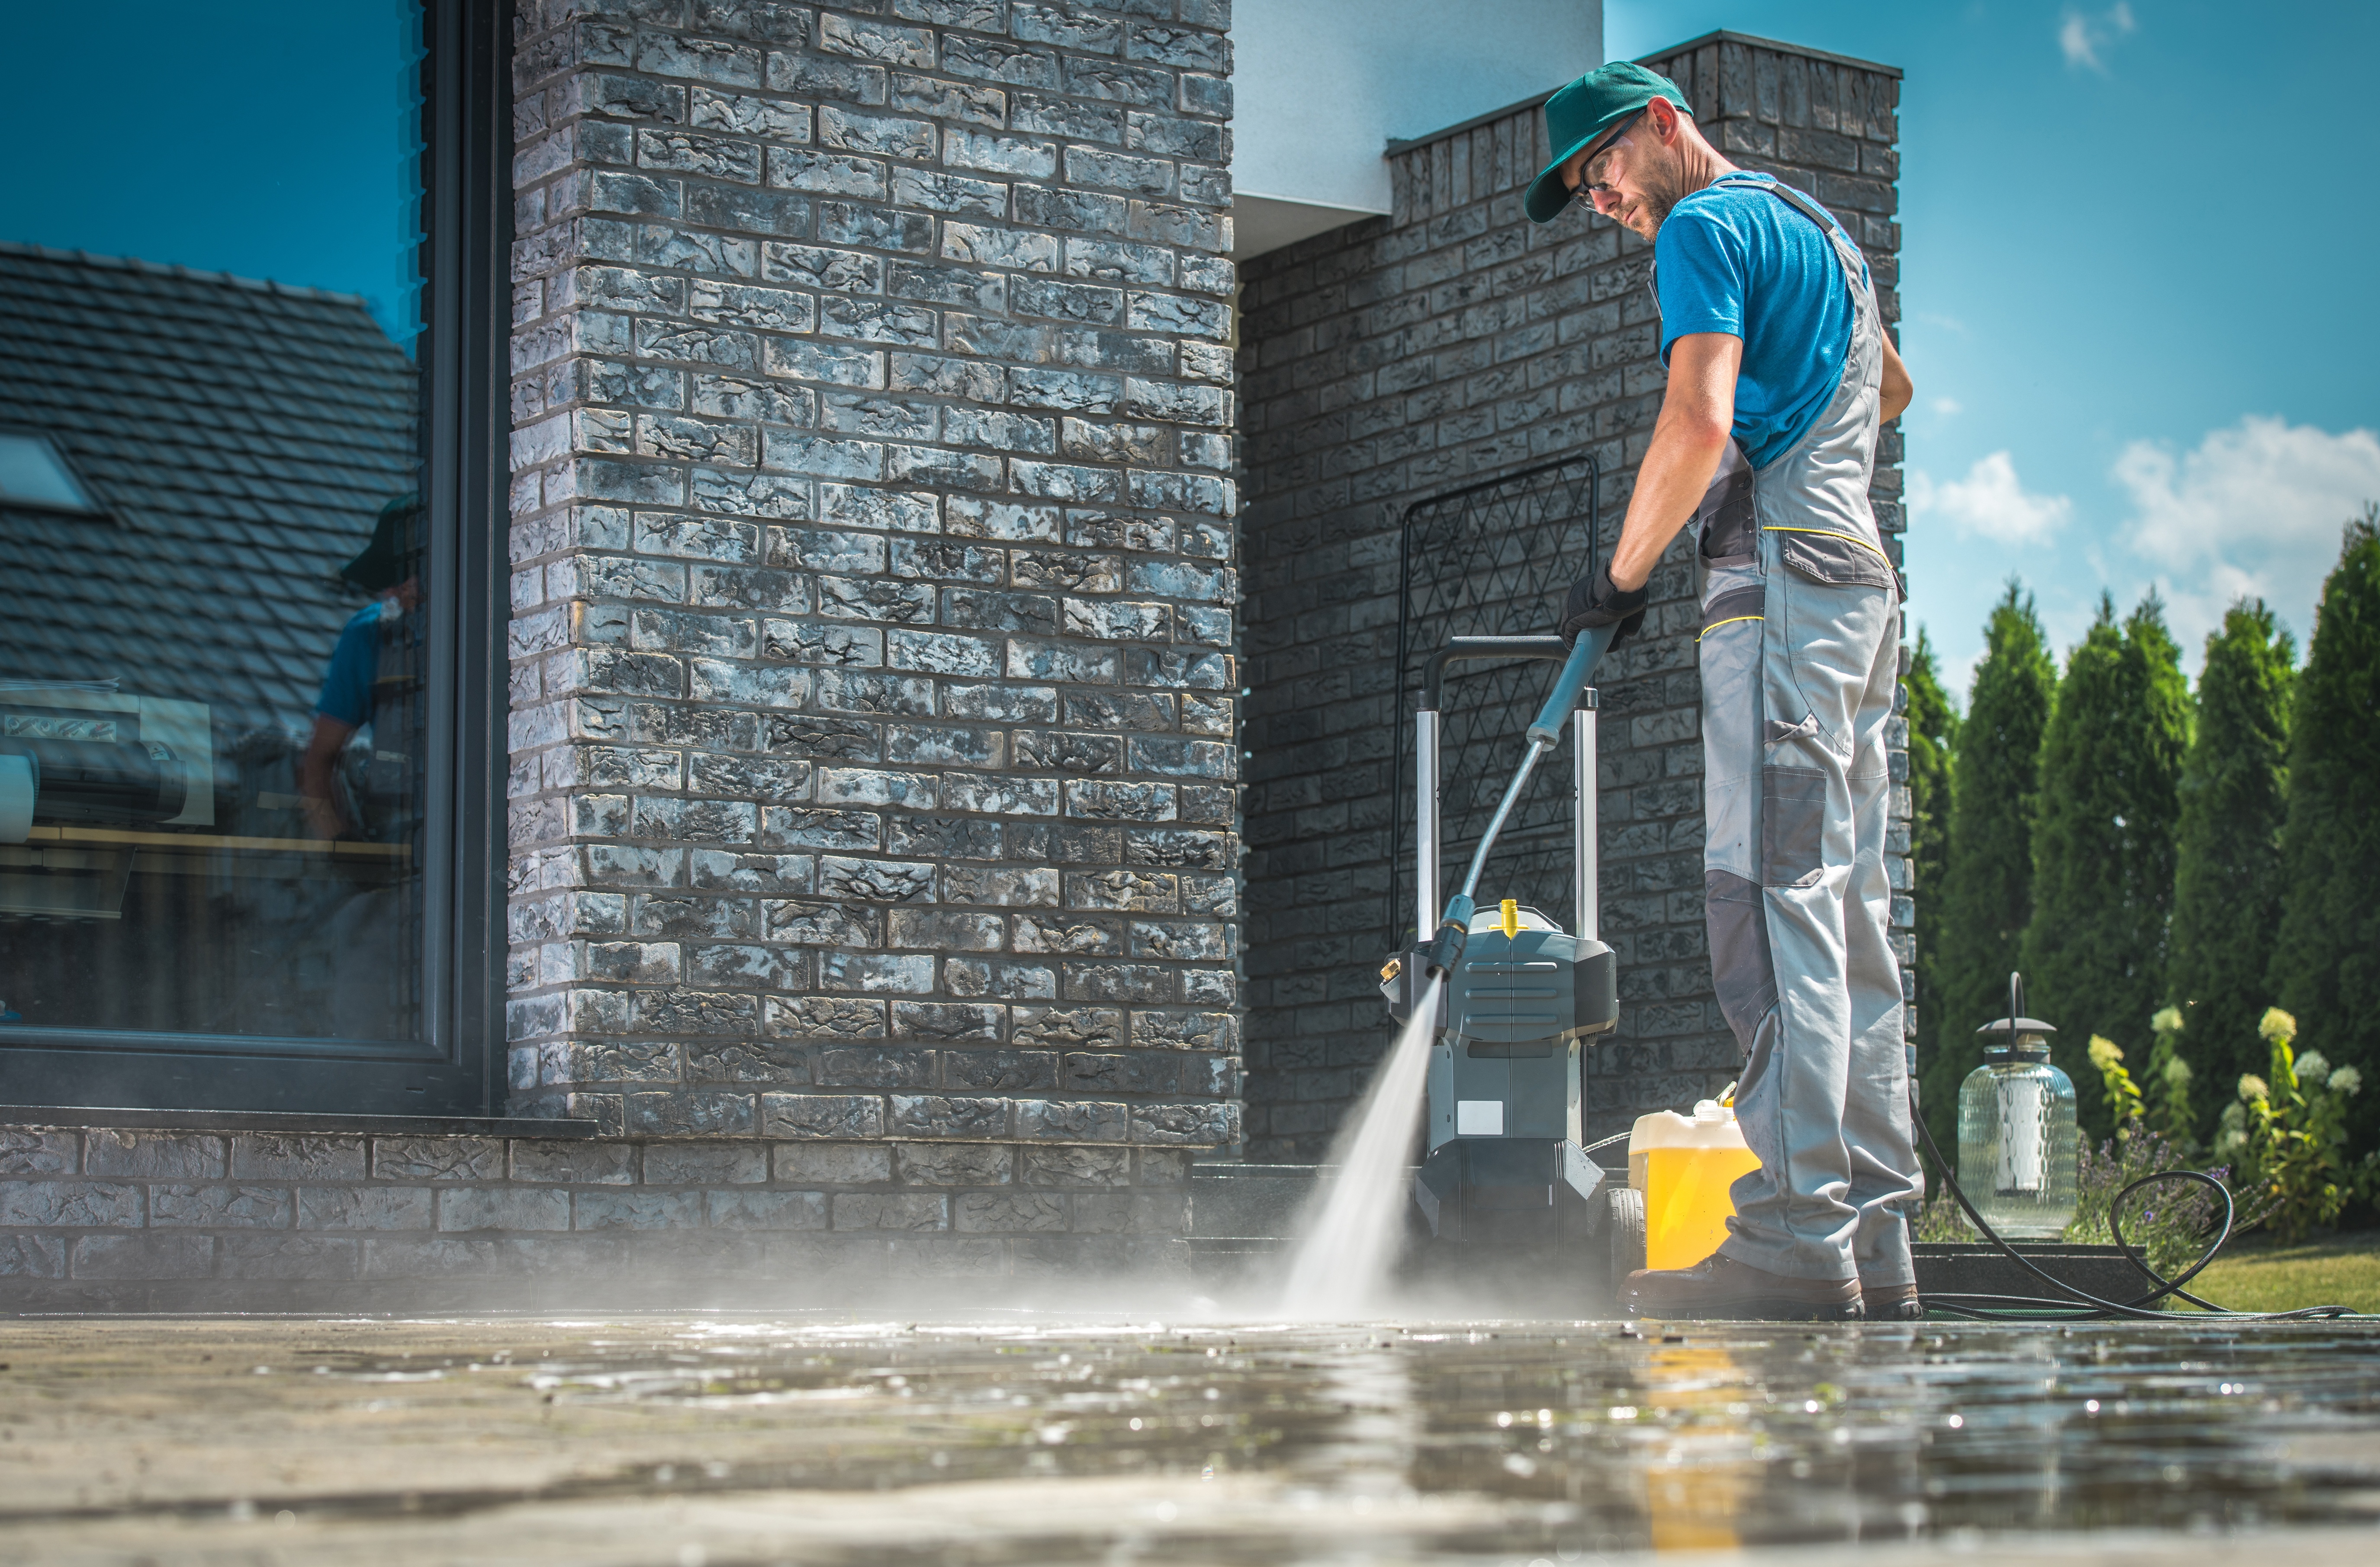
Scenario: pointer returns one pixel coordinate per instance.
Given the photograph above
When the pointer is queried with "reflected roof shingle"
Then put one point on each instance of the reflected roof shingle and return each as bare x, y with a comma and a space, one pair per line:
240, 437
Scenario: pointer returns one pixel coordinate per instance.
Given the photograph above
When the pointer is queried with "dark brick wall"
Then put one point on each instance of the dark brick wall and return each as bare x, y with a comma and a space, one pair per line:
1449, 341
873, 693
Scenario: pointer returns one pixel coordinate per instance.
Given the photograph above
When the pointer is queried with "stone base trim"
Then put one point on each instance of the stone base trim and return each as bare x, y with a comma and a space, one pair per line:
118, 1219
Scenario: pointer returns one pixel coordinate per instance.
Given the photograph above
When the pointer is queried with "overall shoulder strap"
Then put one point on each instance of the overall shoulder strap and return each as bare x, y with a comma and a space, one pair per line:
1790, 197
1844, 250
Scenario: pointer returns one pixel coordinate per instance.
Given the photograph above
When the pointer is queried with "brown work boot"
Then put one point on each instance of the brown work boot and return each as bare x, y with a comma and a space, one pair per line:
1891, 1303
1722, 1289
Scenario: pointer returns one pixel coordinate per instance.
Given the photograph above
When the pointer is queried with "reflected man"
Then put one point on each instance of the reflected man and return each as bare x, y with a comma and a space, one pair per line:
349, 684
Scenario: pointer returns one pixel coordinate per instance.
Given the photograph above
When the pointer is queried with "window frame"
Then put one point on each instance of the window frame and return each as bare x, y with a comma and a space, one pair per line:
456, 1066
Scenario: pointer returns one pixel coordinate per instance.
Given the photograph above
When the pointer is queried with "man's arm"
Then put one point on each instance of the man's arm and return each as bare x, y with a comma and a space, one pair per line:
1899, 390
324, 819
1697, 419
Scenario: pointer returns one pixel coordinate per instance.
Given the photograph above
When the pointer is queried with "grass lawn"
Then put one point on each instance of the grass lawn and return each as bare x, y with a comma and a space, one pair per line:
2343, 1270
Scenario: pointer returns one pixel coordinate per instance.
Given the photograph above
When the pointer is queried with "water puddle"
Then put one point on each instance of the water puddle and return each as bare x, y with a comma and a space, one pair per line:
1030, 1440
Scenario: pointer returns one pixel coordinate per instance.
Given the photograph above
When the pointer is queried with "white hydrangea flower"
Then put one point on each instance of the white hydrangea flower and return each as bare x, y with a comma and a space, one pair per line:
2345, 1080
2314, 1069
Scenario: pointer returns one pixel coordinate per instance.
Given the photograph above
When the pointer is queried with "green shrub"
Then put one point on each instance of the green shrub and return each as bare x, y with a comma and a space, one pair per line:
2288, 1132
2122, 1095
2169, 1114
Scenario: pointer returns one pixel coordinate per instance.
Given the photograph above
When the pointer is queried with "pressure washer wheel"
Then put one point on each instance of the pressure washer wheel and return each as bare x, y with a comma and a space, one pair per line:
1627, 1234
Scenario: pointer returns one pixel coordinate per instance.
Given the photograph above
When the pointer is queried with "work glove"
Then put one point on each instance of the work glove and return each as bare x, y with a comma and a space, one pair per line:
1594, 601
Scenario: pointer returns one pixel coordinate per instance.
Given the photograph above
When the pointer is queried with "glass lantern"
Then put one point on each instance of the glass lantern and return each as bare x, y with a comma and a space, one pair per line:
2020, 1147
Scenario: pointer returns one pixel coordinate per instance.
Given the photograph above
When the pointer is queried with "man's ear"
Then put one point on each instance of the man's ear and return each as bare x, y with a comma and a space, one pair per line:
1664, 116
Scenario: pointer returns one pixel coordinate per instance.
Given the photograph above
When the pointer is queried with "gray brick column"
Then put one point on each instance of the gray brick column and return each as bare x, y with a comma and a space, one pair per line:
873, 696
1447, 343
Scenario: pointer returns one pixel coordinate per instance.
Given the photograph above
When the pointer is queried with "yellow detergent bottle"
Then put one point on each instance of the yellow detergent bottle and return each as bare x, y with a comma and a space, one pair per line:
1683, 1165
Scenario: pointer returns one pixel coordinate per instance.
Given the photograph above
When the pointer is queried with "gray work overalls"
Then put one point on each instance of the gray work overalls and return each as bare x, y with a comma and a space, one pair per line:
1799, 649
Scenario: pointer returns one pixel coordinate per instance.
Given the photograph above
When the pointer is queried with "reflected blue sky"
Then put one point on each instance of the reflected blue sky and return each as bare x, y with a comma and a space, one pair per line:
264, 138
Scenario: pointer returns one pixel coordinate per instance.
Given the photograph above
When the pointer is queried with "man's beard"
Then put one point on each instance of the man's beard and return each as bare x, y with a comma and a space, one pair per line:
1664, 191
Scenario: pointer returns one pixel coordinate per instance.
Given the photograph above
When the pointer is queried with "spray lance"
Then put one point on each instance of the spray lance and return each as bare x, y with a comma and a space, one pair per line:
1445, 949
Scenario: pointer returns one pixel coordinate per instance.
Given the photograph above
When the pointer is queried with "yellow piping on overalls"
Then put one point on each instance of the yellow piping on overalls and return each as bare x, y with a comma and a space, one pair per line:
1831, 533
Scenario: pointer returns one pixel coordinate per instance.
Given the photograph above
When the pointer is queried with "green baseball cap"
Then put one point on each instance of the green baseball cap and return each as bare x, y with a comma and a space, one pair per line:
1582, 113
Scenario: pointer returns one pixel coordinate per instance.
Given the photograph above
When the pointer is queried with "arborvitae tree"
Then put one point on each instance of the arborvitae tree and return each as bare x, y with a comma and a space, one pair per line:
2326, 962
1933, 738
1986, 889
2094, 955
2227, 894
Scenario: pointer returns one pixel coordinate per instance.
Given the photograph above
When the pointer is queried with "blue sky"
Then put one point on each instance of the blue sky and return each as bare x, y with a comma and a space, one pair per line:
2139, 253
262, 138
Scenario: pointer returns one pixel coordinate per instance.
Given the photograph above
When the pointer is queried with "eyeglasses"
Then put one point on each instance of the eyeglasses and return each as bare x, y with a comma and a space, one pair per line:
1583, 193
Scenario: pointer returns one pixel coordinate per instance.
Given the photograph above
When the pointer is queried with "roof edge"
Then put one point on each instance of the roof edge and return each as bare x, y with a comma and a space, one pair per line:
175, 268
1723, 35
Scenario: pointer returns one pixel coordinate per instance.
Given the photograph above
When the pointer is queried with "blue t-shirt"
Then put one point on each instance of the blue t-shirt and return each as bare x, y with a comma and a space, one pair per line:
1736, 259
355, 664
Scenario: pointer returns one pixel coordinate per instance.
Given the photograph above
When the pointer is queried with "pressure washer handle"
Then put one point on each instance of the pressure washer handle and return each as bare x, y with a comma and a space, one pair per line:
1585, 655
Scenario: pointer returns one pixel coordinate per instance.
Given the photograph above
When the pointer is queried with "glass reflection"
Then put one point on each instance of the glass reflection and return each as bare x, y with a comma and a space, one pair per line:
211, 651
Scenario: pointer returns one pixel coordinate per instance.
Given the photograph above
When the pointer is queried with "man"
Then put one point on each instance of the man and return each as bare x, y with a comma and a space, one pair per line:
1780, 374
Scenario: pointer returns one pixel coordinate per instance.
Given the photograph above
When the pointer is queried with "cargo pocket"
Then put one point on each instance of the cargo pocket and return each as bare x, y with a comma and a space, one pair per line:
1730, 605
1742, 970
1792, 826
1837, 559
1727, 528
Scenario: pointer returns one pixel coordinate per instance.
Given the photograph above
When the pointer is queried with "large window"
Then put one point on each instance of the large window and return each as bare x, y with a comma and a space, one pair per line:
244, 352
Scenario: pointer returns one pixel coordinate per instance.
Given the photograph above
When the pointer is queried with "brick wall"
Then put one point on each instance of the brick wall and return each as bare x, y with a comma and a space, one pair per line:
118, 1217
1447, 343
873, 774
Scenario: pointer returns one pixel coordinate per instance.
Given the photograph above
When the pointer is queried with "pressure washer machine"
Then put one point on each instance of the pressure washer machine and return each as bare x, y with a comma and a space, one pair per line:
1517, 998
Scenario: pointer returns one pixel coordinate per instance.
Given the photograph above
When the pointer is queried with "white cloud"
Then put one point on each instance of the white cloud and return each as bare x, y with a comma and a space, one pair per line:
1991, 502
2253, 509
2081, 38
1945, 407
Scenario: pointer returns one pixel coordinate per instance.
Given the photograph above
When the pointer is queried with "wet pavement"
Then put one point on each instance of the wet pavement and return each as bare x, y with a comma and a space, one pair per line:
1025, 1440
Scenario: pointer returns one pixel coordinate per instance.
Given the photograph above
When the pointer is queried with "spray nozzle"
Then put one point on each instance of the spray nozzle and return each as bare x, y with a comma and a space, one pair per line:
1445, 949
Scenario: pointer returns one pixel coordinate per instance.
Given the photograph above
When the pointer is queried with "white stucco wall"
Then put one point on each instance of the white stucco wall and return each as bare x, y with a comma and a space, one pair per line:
1321, 86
